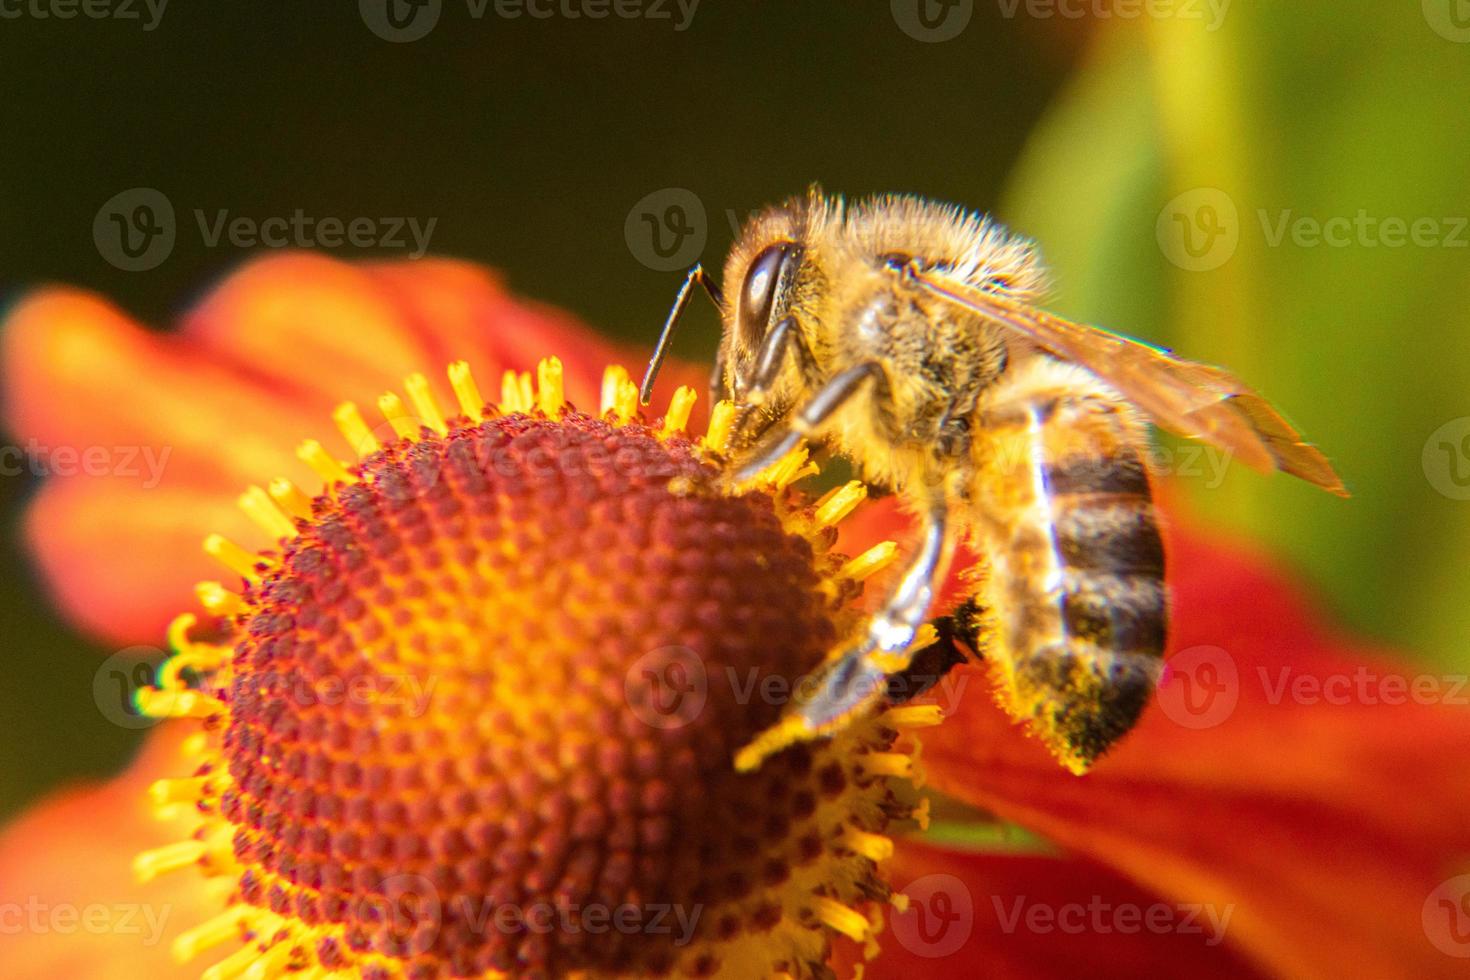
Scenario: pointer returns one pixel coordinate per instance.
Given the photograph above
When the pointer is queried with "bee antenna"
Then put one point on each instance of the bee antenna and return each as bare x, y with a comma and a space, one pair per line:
666, 336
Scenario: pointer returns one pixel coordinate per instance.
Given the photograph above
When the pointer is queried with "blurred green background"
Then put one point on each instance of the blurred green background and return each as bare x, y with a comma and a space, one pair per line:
1172, 167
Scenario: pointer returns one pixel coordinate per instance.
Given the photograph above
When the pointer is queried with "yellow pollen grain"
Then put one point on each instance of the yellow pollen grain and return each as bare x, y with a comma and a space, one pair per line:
840, 502
260, 508
614, 376
218, 600
290, 498
354, 429
921, 814
232, 556
466, 391
397, 415
835, 915
677, 418
874, 847
914, 716
424, 402
550, 387
721, 425
323, 464
869, 562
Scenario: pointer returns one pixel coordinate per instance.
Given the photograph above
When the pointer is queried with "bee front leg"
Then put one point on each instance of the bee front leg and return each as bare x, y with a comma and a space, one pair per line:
828, 399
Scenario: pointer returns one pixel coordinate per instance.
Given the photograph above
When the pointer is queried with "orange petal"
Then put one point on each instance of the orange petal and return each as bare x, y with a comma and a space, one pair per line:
72, 908
1327, 825
1033, 917
180, 424
122, 561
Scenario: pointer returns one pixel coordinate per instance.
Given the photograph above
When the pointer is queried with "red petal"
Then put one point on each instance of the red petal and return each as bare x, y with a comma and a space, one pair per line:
1327, 825
72, 908
998, 916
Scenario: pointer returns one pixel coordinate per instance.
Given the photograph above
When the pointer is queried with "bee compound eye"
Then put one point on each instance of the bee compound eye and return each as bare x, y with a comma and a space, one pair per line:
767, 275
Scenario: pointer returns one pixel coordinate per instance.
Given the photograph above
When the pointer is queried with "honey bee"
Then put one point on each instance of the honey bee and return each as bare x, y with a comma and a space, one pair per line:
905, 335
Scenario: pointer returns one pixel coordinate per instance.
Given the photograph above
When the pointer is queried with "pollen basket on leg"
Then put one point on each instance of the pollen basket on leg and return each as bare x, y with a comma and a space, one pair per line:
475, 714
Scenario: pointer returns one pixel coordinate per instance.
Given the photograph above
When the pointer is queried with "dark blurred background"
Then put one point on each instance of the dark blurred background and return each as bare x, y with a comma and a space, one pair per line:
1166, 163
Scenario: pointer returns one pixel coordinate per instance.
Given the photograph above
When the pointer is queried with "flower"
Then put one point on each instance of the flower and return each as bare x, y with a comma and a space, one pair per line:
1277, 833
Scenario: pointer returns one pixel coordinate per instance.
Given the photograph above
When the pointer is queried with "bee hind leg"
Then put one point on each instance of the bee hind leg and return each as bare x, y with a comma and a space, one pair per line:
859, 676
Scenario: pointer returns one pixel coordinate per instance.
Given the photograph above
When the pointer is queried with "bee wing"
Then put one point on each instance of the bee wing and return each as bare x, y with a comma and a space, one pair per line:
1194, 400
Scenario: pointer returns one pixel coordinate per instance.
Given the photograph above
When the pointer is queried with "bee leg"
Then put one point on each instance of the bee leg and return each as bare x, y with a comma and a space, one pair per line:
666, 335
958, 643
861, 673
785, 337
828, 399
859, 676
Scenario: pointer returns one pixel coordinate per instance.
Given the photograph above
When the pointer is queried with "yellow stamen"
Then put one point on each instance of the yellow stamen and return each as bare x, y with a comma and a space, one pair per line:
164, 792
354, 429
550, 391
835, 915
234, 966
218, 600
424, 402
174, 703
210, 933
887, 764
260, 508
170, 857
613, 379
869, 562
840, 502
677, 417
289, 497
914, 716
270, 964
721, 425
324, 465
466, 391
233, 557
397, 415
875, 847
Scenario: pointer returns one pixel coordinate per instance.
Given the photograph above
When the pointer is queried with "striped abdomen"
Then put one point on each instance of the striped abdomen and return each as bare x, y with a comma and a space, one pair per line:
1075, 592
